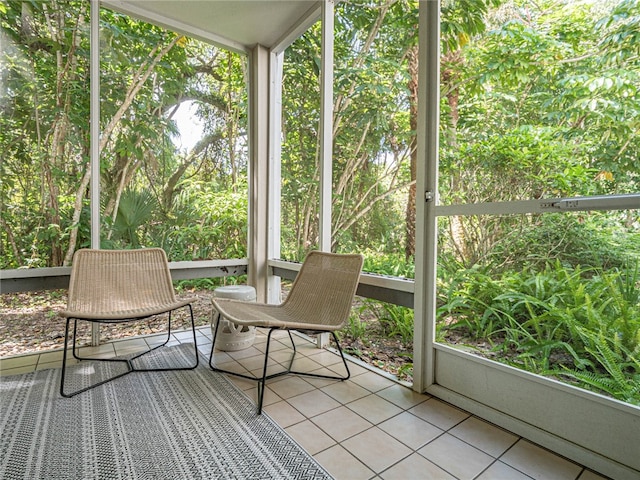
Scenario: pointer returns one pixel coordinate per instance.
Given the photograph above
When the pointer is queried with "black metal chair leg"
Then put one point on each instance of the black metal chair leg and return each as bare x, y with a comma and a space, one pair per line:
262, 381
64, 357
77, 357
344, 360
216, 369
128, 362
293, 355
167, 369
330, 377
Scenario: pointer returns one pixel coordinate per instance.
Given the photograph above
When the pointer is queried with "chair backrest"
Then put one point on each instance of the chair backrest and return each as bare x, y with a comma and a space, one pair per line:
323, 290
113, 283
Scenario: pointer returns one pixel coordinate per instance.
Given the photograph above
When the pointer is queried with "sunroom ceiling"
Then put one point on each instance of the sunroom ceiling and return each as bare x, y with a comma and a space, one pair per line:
238, 24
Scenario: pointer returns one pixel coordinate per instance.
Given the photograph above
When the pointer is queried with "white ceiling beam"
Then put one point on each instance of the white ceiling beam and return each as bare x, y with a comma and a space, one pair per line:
296, 31
148, 15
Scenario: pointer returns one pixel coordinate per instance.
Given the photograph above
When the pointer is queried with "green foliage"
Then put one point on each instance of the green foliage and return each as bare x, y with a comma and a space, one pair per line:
398, 321
394, 320
580, 239
391, 264
356, 328
619, 372
44, 129
371, 130
561, 321
209, 224
466, 302
209, 283
405, 372
135, 212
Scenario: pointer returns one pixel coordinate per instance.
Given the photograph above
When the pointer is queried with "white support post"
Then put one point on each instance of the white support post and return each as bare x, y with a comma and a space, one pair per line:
258, 170
326, 136
326, 125
275, 176
426, 195
94, 125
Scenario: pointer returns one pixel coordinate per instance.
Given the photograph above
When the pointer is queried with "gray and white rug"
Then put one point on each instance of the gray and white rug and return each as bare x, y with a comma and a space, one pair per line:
191, 424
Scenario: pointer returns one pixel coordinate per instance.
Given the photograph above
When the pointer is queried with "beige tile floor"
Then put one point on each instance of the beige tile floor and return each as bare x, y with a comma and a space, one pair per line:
369, 427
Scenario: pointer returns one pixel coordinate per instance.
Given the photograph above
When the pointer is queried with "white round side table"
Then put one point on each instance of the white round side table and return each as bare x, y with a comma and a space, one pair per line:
233, 337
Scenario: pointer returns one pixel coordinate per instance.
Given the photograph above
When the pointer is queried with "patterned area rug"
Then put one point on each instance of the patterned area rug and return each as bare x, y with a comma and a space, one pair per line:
191, 424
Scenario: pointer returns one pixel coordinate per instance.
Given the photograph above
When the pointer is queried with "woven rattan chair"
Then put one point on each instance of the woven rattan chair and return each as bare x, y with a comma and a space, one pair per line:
319, 301
115, 286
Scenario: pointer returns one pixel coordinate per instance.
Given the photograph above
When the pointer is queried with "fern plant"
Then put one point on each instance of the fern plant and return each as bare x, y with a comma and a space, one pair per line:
616, 372
394, 319
582, 324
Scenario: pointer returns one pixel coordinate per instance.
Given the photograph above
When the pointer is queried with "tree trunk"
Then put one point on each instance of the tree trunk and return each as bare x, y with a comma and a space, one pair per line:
410, 216
449, 79
141, 76
12, 241
77, 210
57, 138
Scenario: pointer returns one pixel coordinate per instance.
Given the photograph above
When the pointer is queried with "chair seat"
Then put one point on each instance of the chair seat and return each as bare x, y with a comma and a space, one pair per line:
265, 315
120, 313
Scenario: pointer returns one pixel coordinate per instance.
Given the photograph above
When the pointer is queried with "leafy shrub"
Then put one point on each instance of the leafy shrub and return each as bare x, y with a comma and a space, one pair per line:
391, 264
356, 328
207, 223
582, 324
583, 239
394, 319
